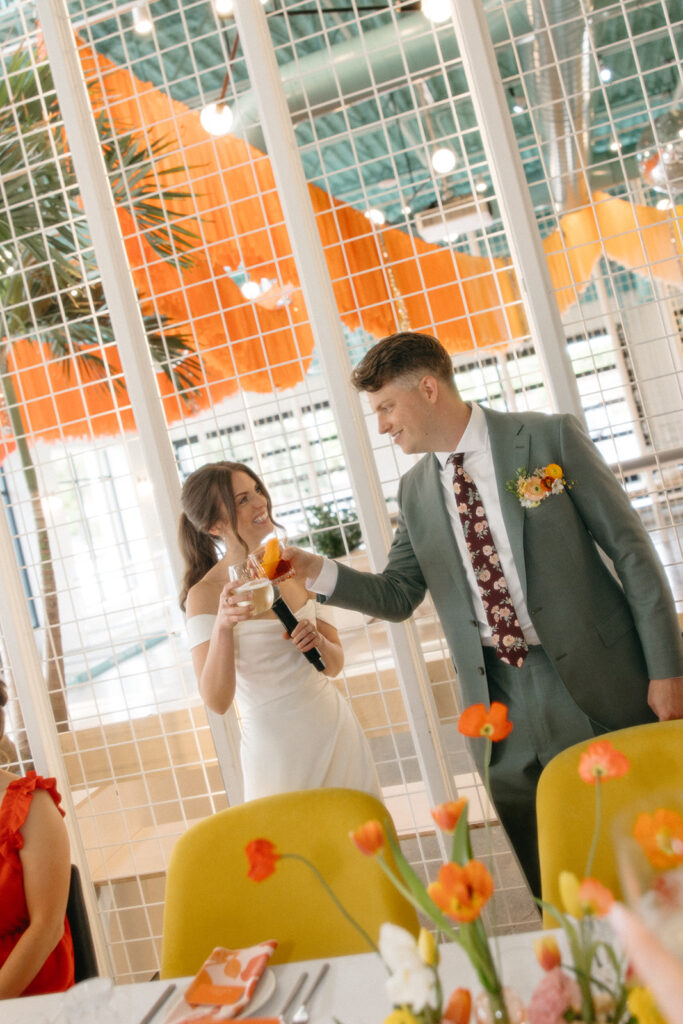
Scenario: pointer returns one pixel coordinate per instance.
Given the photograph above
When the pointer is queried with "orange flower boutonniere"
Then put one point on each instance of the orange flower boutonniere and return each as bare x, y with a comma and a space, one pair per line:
533, 488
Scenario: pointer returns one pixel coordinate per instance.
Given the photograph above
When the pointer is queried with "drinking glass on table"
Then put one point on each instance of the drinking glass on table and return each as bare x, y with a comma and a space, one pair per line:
648, 843
255, 587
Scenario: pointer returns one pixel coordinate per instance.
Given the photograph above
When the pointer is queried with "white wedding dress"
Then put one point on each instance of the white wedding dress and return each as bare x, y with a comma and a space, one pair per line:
298, 732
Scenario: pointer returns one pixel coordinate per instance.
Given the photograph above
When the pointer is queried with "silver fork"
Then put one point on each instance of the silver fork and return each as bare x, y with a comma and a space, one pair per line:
300, 982
302, 1016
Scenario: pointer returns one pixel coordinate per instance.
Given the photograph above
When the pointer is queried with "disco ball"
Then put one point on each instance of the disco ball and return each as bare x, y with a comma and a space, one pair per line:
660, 153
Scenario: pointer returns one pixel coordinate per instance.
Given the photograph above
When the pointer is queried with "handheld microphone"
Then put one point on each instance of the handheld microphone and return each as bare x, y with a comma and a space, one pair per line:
289, 621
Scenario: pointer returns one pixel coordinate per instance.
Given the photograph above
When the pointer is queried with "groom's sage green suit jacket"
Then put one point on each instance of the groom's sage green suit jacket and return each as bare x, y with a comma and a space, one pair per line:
606, 637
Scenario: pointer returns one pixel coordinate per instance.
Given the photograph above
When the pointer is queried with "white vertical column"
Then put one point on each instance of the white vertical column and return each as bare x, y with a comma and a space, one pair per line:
122, 300
327, 331
517, 212
34, 699
126, 318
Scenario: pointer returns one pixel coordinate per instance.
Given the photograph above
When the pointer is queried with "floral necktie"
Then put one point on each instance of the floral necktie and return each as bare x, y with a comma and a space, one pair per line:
507, 636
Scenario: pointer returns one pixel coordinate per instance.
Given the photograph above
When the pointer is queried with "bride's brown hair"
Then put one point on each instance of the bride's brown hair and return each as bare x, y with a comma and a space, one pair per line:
205, 495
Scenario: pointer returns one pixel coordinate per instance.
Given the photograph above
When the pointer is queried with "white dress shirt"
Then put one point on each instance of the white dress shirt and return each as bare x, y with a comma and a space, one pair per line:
475, 446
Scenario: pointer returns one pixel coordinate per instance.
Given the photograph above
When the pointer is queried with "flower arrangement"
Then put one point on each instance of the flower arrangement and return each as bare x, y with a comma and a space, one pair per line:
533, 488
583, 995
590, 989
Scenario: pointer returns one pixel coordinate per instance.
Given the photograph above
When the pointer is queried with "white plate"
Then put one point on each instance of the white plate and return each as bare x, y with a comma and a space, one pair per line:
262, 993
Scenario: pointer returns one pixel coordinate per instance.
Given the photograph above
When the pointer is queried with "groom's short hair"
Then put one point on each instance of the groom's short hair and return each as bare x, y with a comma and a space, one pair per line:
404, 355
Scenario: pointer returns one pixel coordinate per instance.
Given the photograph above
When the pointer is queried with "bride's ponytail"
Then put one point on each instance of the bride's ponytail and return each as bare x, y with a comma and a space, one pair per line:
199, 553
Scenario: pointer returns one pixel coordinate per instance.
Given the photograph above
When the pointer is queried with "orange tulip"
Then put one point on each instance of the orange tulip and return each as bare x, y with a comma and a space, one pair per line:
262, 857
447, 815
594, 897
369, 838
602, 761
459, 1007
661, 837
547, 952
476, 721
462, 892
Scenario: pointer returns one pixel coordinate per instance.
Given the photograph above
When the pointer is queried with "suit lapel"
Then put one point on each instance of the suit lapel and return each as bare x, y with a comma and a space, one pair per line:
510, 450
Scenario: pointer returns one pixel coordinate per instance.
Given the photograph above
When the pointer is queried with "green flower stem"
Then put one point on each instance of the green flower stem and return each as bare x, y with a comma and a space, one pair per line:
499, 1011
340, 906
596, 827
487, 786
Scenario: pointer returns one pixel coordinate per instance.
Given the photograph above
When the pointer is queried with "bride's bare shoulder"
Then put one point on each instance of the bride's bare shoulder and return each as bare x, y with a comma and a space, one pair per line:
202, 598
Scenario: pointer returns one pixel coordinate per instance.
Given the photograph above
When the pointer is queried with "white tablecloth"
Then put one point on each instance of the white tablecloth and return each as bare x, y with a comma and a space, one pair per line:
353, 991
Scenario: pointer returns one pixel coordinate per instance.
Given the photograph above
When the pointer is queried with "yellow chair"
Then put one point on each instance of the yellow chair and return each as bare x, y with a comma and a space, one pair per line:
211, 902
566, 805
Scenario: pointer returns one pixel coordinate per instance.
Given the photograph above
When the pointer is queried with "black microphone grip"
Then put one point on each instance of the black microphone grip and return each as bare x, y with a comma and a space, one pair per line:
289, 621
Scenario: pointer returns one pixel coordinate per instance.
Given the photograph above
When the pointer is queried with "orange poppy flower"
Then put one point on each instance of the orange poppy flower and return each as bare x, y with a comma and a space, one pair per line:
661, 837
602, 761
369, 838
447, 815
462, 892
477, 721
262, 857
547, 952
459, 1007
594, 897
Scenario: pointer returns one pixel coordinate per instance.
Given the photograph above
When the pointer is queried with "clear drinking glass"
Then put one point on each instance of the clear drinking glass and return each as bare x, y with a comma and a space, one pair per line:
269, 553
255, 587
648, 844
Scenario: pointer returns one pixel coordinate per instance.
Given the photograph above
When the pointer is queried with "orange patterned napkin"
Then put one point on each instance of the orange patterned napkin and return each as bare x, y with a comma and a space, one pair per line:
224, 984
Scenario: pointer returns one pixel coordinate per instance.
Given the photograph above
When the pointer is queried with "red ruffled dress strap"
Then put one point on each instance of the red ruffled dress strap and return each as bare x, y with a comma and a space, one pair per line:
17, 802
57, 973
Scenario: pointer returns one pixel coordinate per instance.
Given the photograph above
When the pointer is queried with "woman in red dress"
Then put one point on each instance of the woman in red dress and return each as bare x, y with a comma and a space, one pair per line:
36, 952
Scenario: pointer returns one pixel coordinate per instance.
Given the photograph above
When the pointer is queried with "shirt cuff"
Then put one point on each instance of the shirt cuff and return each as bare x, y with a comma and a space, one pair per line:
326, 580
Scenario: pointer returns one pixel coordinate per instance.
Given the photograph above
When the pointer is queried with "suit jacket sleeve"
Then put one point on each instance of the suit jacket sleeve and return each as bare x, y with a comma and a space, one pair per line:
617, 529
392, 594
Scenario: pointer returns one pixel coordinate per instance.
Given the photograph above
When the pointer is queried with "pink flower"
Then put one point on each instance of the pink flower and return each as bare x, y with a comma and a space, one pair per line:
479, 527
484, 576
555, 993
479, 510
462, 507
495, 558
508, 641
533, 489
487, 549
505, 612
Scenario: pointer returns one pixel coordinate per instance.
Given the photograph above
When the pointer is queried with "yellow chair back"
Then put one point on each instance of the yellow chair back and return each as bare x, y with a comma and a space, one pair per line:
210, 901
566, 805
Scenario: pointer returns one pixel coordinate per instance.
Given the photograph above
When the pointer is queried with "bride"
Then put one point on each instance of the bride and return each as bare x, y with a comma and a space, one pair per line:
297, 731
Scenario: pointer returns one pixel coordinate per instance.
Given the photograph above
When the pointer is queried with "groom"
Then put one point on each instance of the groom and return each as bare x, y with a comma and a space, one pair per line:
502, 520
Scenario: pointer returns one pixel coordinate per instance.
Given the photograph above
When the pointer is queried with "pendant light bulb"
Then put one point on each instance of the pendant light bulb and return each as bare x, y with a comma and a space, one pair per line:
216, 118
443, 160
436, 11
142, 19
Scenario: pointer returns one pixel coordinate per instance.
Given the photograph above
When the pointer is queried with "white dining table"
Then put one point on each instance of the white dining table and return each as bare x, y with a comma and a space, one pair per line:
352, 993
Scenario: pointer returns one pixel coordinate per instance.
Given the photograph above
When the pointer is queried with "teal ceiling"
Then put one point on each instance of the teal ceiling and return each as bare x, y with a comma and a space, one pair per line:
372, 148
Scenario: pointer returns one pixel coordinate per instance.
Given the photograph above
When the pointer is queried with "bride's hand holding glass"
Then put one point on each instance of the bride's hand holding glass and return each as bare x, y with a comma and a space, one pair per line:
249, 591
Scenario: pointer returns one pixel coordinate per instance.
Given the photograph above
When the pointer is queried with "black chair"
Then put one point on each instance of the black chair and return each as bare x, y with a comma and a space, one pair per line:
85, 961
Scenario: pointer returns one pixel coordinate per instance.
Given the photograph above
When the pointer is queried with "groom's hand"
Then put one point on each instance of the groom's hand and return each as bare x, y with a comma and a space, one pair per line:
665, 697
306, 564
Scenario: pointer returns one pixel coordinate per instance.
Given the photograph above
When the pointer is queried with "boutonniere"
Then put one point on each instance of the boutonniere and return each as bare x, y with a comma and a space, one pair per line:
533, 488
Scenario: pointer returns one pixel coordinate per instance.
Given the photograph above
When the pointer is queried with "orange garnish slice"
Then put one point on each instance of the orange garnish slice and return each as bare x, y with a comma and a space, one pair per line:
271, 557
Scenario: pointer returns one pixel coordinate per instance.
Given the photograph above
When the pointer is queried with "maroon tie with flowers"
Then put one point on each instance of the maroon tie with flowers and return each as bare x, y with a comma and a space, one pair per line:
508, 638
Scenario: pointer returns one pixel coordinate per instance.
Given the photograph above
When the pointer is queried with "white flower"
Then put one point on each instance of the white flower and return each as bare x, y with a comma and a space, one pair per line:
411, 982
398, 948
415, 988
